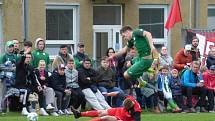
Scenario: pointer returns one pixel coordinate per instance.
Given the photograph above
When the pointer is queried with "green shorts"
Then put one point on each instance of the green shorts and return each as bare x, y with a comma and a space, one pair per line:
140, 66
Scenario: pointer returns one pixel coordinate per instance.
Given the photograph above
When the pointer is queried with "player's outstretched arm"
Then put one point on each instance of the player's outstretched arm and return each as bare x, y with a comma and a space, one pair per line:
120, 52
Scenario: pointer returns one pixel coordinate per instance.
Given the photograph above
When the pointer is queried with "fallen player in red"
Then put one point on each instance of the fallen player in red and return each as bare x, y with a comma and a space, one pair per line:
131, 111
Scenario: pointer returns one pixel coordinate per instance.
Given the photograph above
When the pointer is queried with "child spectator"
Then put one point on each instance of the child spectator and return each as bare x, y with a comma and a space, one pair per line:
176, 88
164, 86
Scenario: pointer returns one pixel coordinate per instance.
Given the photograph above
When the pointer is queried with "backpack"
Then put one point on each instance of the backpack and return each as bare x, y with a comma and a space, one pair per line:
180, 74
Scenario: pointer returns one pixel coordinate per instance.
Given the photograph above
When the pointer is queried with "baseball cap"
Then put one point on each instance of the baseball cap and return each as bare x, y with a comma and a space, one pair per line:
80, 44
212, 67
61, 66
187, 47
9, 43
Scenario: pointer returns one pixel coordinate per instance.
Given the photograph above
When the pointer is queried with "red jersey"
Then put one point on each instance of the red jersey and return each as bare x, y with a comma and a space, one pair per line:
122, 114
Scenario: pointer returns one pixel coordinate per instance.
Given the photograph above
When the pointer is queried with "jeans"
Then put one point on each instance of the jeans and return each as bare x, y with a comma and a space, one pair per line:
120, 96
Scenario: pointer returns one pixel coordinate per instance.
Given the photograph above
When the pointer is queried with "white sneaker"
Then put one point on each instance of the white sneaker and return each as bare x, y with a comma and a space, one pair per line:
54, 114
67, 112
25, 112
211, 111
49, 107
43, 112
60, 112
70, 111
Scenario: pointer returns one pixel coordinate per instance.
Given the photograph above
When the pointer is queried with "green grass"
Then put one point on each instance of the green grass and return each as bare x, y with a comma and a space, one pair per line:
14, 116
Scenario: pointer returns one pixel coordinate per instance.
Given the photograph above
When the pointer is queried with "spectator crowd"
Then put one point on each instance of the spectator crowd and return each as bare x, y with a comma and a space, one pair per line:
71, 81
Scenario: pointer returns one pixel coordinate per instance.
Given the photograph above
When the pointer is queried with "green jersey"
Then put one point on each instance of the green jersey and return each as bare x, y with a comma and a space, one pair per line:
8, 57
39, 55
140, 42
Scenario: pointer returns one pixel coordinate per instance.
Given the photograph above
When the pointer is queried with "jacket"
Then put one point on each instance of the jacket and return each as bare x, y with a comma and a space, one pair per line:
79, 57
210, 61
176, 86
38, 55
195, 54
25, 75
190, 79
181, 60
47, 78
7, 56
165, 60
161, 83
59, 59
57, 81
106, 77
83, 73
209, 80
71, 78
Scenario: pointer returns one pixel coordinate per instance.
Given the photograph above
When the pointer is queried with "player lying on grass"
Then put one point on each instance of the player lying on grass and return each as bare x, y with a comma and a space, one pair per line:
131, 111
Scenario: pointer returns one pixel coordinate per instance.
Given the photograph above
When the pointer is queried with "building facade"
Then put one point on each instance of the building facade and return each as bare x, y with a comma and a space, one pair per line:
97, 22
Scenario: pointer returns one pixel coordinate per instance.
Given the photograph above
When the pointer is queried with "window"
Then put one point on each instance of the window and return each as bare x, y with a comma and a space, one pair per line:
112, 15
152, 18
59, 24
211, 17
61, 27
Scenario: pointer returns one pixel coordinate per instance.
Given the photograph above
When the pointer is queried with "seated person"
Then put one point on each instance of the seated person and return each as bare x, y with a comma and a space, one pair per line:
107, 81
58, 83
183, 58
150, 94
77, 96
176, 88
164, 86
192, 83
87, 79
209, 82
46, 94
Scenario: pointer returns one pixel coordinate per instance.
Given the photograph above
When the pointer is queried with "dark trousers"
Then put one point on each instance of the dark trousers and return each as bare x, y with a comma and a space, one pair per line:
199, 91
77, 97
210, 94
152, 101
41, 100
139, 96
179, 101
59, 96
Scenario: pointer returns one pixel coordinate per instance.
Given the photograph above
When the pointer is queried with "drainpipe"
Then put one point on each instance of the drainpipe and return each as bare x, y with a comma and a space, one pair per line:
190, 12
197, 11
25, 19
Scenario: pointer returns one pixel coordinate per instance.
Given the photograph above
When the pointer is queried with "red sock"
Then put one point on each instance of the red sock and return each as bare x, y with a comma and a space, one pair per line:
93, 113
96, 119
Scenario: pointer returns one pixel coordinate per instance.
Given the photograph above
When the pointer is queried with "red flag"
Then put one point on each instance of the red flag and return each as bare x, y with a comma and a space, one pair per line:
174, 15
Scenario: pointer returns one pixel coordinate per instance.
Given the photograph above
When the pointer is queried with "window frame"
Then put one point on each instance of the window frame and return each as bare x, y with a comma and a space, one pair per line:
76, 24
164, 40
